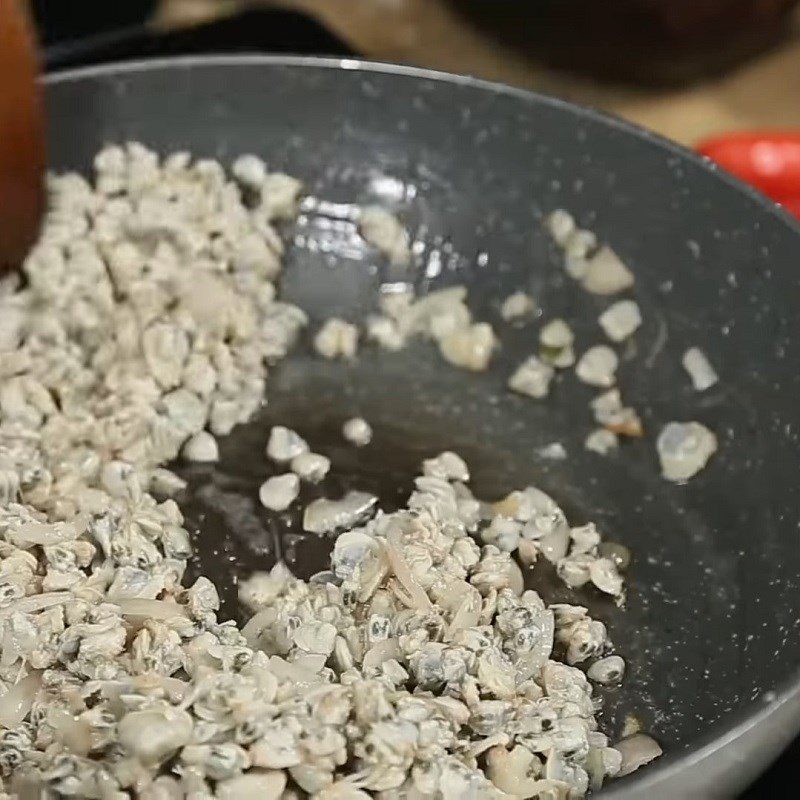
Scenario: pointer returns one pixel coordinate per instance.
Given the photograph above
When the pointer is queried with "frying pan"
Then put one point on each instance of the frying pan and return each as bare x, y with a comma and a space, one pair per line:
710, 630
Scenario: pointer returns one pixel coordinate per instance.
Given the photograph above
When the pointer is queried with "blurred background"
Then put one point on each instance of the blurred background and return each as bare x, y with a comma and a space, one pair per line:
686, 68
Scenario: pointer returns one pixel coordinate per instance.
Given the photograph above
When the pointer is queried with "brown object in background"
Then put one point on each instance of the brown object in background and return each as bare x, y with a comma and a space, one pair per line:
641, 43
442, 34
22, 143
694, 20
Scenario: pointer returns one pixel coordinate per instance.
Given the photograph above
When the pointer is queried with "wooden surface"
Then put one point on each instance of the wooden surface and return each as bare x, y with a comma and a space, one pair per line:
765, 91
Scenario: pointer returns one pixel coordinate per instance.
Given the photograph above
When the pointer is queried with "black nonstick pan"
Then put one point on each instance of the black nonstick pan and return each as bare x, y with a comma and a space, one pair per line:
711, 627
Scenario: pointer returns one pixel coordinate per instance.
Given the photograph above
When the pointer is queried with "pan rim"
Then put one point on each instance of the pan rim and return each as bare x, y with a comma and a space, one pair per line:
756, 712
335, 63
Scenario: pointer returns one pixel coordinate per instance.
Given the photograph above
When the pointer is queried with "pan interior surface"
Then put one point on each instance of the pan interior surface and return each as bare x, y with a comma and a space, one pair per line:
711, 621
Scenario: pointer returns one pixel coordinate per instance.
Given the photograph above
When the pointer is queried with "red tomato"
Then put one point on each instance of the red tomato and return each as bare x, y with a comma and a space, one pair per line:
792, 205
768, 160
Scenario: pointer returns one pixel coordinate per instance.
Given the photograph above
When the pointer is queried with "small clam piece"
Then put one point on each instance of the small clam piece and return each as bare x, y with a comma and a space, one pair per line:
556, 334
606, 273
611, 414
255, 784
602, 762
556, 338
560, 359
324, 576
351, 551
324, 516
602, 441
620, 320
337, 339
164, 787
684, 448
310, 467
597, 366
433, 315
447, 465
554, 545
576, 251
626, 423
503, 533
636, 751
469, 347
515, 772
700, 371
584, 538
384, 231
315, 637
539, 510
280, 194
284, 444
585, 640
344, 789
357, 431
16, 703
517, 307
274, 752
580, 243
607, 404
630, 725
617, 552
555, 451
532, 378
385, 332
279, 492
166, 482
152, 736
115, 477
607, 670
262, 588
603, 574
202, 448
249, 170
575, 266
560, 224
219, 761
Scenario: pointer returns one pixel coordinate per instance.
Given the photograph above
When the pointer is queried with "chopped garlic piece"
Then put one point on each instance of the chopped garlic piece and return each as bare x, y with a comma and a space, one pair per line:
609, 412
384, 231
597, 366
532, 377
447, 465
279, 492
684, 448
385, 332
202, 447
560, 224
580, 243
284, 444
311, 467
249, 170
606, 273
517, 307
698, 366
602, 441
620, 320
470, 347
556, 334
336, 339
357, 431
